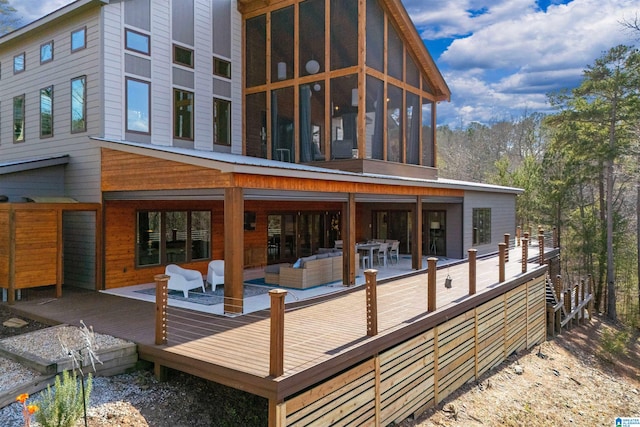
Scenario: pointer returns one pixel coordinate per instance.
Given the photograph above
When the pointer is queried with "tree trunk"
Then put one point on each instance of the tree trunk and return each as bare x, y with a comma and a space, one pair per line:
638, 228
611, 285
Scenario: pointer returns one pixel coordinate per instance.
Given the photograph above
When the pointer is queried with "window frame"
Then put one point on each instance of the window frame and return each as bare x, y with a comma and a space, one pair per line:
481, 222
175, 115
21, 118
162, 257
216, 121
128, 31
43, 135
177, 47
84, 105
17, 70
218, 63
82, 30
148, 84
42, 46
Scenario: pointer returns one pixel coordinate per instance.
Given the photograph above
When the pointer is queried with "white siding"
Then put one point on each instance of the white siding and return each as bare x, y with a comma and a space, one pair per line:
114, 97
161, 60
503, 218
236, 84
203, 82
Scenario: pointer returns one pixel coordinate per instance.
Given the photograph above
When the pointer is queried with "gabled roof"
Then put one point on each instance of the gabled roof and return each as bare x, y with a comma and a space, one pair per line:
406, 29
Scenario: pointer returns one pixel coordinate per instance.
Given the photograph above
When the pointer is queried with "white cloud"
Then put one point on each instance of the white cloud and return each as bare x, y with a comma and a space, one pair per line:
30, 10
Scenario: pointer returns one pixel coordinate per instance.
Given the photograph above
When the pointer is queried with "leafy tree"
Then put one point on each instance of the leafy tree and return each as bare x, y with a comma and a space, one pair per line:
8, 20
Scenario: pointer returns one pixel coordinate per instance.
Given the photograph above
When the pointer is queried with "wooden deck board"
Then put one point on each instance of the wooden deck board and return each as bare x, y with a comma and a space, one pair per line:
314, 334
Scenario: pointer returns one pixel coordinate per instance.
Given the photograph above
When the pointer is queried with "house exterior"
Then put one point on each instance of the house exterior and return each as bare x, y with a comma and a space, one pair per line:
247, 130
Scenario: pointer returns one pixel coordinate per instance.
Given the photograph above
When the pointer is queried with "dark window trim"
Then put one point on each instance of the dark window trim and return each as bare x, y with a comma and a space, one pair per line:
481, 237
222, 61
24, 63
13, 106
175, 115
147, 36
84, 41
42, 136
43, 45
176, 46
228, 124
84, 105
126, 103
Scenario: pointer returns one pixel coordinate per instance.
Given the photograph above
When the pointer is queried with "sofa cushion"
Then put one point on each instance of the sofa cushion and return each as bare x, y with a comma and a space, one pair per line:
322, 255
273, 268
307, 259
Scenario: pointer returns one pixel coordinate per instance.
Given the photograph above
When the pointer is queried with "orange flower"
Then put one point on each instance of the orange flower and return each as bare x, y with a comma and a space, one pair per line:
22, 398
32, 408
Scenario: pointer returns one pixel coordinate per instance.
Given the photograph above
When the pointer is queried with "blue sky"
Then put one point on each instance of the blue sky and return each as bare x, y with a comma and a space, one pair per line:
499, 57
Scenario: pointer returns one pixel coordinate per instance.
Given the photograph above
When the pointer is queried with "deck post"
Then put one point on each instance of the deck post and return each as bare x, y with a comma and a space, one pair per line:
233, 250
582, 295
507, 238
431, 284
556, 243
525, 252
372, 302
502, 248
472, 270
567, 307
276, 353
591, 286
518, 234
540, 246
162, 282
558, 286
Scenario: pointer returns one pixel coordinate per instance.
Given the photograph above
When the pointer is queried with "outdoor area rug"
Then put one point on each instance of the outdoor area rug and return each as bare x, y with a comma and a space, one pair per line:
209, 297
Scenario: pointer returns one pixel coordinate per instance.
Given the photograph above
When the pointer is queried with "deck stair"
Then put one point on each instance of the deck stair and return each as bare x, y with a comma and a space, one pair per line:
566, 306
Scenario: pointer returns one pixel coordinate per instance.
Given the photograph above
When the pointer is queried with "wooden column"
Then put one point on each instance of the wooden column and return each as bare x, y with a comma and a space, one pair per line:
558, 287
349, 242
416, 253
372, 302
507, 238
60, 256
233, 250
11, 291
276, 353
518, 234
541, 246
473, 253
556, 243
431, 284
502, 248
162, 282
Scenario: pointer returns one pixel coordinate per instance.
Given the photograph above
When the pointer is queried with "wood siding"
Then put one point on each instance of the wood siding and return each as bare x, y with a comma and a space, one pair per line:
422, 371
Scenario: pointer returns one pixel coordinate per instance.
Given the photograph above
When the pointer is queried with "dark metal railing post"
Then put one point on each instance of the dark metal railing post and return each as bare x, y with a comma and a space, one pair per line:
473, 253
276, 351
372, 302
162, 281
431, 284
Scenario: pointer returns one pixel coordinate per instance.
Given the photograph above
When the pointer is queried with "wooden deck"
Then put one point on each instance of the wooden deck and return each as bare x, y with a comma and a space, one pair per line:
322, 337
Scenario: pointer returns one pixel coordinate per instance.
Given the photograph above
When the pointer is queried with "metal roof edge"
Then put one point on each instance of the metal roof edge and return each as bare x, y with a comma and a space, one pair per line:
30, 164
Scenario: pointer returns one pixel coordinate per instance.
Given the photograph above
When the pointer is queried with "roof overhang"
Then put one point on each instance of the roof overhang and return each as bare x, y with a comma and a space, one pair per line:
63, 12
31, 164
238, 164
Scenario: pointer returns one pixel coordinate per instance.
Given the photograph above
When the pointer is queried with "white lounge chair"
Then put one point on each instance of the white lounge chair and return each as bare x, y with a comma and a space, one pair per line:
215, 274
181, 279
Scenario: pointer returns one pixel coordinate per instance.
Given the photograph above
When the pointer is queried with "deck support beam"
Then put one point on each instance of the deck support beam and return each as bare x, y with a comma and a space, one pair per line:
349, 241
233, 250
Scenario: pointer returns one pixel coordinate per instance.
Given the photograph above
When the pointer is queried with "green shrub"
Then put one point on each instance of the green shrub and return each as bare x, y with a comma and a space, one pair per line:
63, 406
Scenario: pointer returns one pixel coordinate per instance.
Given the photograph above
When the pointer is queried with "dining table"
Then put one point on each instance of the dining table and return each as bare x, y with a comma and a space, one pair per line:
369, 247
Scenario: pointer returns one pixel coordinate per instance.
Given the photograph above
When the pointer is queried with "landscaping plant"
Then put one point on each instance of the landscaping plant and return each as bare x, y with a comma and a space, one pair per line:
64, 406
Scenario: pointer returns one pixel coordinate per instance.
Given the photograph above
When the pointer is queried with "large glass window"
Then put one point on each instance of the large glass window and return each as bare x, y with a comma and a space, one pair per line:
311, 35
138, 105
172, 237
78, 104
221, 122
312, 113
344, 34
18, 118
137, 42
394, 124
282, 44
79, 39
256, 51
46, 112
344, 129
375, 118
428, 149
395, 50
46, 52
414, 118
256, 125
375, 35
282, 125
183, 114
481, 226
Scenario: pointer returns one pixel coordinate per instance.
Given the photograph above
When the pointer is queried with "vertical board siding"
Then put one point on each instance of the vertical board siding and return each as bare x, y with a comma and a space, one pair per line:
424, 370
79, 230
5, 248
36, 248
